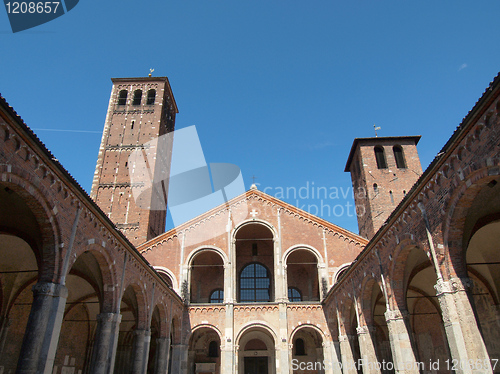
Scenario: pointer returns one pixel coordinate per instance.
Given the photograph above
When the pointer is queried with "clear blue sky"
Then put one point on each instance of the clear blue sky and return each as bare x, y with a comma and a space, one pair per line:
279, 88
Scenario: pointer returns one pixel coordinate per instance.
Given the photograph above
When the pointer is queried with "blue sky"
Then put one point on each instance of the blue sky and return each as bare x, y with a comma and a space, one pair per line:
279, 88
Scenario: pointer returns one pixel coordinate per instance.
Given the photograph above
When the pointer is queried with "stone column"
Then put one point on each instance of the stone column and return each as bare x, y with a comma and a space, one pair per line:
4, 329
227, 359
179, 359
348, 363
162, 355
464, 338
282, 353
332, 364
401, 344
105, 343
369, 358
42, 331
141, 351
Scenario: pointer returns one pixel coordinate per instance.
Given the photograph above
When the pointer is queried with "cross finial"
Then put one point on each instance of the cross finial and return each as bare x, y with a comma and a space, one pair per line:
151, 71
375, 127
253, 179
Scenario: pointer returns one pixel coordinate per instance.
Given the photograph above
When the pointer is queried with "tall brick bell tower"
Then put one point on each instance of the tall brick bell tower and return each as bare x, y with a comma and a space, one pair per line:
382, 170
140, 110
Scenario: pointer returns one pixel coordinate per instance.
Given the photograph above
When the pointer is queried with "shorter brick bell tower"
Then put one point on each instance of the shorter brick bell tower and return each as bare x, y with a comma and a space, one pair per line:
383, 170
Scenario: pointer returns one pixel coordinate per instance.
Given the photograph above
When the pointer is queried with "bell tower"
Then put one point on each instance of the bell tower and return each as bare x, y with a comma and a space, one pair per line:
383, 170
140, 110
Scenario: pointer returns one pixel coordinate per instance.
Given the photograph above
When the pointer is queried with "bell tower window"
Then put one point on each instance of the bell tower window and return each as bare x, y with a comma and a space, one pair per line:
380, 157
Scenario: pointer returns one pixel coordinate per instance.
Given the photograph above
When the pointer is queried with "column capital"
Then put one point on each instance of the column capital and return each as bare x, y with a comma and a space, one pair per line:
50, 289
362, 330
397, 314
109, 317
453, 285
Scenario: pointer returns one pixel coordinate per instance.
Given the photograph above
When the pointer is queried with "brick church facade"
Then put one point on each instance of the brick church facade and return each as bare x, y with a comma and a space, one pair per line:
94, 284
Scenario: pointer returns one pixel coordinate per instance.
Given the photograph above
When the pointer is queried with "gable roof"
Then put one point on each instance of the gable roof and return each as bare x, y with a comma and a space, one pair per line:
248, 194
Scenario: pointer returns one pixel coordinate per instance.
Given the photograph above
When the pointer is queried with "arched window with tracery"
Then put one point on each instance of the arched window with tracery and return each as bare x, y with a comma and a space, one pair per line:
255, 283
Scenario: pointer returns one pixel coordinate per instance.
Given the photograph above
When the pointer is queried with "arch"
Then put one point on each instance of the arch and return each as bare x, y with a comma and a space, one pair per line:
34, 198
254, 241
380, 157
482, 257
255, 324
204, 349
163, 270
19, 275
373, 308
206, 273
122, 97
137, 97
203, 248
88, 296
399, 156
462, 214
302, 271
134, 288
107, 270
396, 282
257, 346
340, 270
209, 326
307, 325
151, 97
254, 221
305, 247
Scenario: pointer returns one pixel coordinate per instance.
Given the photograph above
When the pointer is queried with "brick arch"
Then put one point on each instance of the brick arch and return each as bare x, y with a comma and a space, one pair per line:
344, 312
34, 195
192, 255
108, 273
140, 295
163, 270
339, 271
307, 326
255, 221
396, 282
365, 297
455, 218
207, 326
305, 247
261, 325
163, 317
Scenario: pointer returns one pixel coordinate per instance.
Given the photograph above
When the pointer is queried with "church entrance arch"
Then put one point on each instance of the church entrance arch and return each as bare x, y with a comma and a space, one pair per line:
256, 353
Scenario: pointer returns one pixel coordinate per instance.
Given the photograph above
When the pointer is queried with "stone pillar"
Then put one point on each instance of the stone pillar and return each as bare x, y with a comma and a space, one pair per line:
179, 359
140, 351
332, 364
4, 329
282, 356
401, 344
42, 331
348, 363
369, 360
105, 343
162, 355
464, 338
228, 357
